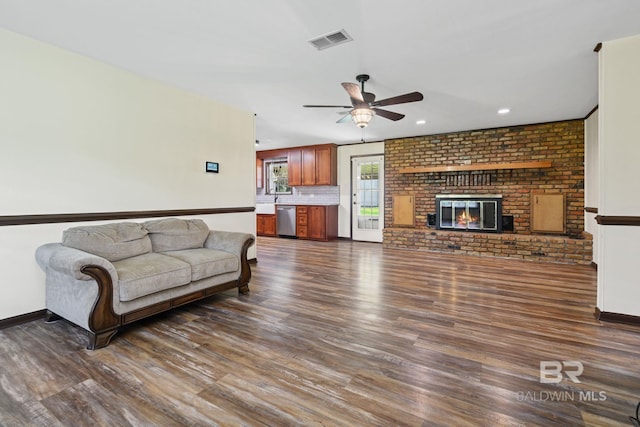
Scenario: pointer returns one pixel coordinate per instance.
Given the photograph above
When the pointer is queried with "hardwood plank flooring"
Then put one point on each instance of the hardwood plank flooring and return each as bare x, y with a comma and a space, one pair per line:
341, 334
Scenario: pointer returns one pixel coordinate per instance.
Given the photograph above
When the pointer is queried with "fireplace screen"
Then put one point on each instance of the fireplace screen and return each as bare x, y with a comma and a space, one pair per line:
467, 212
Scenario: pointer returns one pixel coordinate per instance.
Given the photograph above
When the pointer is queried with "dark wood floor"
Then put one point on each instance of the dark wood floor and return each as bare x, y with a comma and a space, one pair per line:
341, 333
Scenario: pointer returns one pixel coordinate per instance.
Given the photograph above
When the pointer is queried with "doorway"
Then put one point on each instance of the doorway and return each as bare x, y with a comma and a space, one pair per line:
367, 208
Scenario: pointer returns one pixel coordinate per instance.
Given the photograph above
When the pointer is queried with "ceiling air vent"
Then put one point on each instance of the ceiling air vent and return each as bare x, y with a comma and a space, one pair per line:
330, 39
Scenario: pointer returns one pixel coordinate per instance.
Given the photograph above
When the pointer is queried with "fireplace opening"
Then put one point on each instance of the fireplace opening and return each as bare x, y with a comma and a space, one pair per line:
467, 212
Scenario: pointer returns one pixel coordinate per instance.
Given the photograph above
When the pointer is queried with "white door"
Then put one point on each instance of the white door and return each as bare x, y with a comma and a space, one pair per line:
367, 208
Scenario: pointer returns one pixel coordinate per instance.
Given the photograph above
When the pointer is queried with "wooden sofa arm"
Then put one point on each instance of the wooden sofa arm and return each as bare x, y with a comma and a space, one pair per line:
103, 321
245, 268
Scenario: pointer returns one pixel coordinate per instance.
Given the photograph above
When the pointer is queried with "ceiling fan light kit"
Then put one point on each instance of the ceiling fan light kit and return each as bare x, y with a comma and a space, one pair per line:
361, 116
365, 105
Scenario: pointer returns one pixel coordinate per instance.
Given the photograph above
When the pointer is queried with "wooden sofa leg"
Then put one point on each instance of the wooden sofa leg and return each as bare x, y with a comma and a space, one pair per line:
244, 289
100, 340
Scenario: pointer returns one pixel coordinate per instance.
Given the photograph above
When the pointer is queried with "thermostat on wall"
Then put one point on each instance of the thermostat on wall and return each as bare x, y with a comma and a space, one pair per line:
211, 167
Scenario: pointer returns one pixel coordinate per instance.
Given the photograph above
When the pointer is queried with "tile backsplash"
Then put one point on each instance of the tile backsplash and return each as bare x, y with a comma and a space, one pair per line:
317, 195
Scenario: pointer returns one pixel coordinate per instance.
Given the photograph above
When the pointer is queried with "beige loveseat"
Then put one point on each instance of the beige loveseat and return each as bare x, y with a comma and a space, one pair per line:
102, 277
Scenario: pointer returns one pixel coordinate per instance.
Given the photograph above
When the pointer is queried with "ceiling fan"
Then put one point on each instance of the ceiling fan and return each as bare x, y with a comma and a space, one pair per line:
364, 105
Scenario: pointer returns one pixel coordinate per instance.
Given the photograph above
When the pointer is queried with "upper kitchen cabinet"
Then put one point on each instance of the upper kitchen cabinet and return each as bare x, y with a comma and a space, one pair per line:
326, 165
310, 165
313, 165
294, 158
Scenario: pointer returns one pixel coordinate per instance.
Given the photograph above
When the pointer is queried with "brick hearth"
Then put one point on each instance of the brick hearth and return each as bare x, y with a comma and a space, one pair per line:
559, 249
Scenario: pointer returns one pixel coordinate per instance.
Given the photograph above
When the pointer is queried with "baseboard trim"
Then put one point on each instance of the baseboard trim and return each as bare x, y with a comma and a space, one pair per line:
22, 318
607, 316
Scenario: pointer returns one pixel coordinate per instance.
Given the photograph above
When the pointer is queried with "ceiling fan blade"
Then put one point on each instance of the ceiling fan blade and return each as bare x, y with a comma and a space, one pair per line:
344, 119
354, 93
327, 106
388, 114
401, 99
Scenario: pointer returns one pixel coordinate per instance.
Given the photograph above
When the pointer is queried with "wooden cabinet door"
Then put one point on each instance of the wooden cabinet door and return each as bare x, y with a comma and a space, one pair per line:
326, 166
259, 225
308, 166
547, 213
404, 208
294, 164
270, 225
317, 223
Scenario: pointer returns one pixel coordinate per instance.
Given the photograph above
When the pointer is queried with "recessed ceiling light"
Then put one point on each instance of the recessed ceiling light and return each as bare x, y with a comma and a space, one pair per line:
421, 122
503, 111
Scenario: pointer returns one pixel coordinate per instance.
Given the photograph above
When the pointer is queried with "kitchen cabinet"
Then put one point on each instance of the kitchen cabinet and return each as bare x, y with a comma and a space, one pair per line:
308, 166
326, 161
266, 225
294, 165
547, 213
302, 221
317, 222
313, 165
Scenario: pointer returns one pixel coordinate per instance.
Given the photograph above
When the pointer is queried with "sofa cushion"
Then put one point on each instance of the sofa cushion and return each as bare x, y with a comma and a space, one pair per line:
174, 234
111, 241
149, 273
207, 262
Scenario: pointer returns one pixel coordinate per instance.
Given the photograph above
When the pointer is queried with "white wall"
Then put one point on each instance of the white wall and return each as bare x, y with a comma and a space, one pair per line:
80, 136
591, 178
345, 153
619, 156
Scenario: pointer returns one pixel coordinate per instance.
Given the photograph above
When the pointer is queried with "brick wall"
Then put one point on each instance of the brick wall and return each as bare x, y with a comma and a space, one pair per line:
562, 143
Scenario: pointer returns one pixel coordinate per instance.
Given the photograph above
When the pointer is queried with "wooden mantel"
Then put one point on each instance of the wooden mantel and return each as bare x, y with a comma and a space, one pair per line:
477, 167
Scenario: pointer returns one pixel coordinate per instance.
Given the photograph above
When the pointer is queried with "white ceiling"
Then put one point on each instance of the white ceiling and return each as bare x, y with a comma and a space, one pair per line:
468, 57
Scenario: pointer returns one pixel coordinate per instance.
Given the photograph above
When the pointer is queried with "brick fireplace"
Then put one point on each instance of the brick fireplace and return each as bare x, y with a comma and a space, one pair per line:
559, 144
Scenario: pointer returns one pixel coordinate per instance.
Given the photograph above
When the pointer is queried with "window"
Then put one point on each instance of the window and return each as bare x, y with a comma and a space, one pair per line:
277, 177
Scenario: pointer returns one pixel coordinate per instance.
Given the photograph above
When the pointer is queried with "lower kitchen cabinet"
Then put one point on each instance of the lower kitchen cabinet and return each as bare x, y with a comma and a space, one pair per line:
302, 221
317, 222
266, 225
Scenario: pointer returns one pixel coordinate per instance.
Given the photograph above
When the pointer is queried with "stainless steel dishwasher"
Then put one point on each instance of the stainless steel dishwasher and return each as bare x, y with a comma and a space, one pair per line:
286, 221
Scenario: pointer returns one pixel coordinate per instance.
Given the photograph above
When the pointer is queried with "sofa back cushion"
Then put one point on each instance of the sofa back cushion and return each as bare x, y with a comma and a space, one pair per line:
111, 241
174, 234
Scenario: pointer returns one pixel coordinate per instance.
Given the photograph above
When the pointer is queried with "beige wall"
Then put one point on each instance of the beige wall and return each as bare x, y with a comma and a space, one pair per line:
619, 155
591, 178
81, 136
